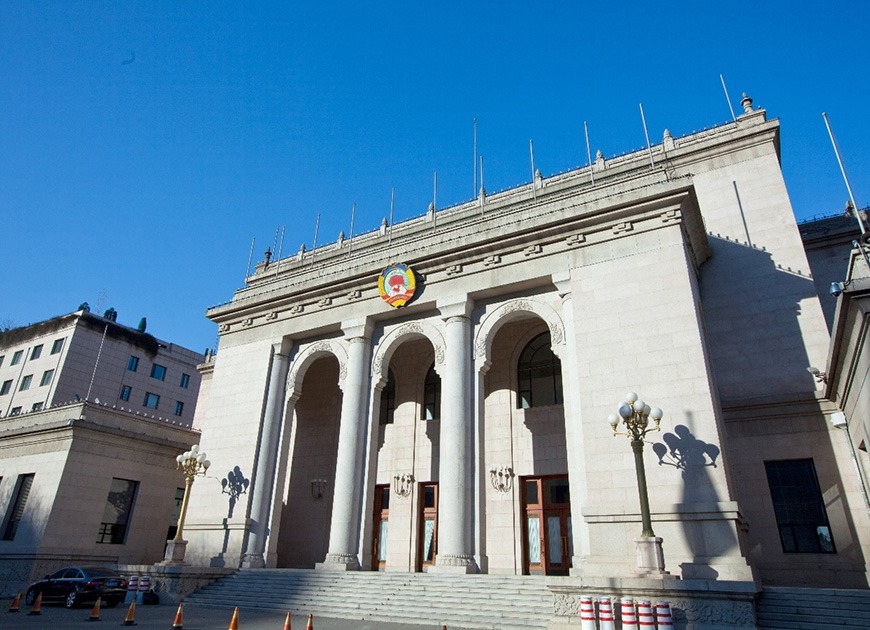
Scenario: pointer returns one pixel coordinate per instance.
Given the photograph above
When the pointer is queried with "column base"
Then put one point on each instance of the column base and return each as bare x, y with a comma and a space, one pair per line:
253, 561
338, 562
174, 553
454, 564
650, 558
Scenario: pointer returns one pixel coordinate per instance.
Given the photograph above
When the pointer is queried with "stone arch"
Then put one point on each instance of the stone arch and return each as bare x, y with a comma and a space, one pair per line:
509, 311
391, 341
307, 355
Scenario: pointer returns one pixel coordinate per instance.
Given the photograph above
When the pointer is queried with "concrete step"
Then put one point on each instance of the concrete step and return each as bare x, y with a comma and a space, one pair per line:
781, 608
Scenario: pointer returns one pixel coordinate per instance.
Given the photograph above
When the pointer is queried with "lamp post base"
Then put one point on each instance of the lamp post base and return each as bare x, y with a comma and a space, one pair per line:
650, 558
174, 553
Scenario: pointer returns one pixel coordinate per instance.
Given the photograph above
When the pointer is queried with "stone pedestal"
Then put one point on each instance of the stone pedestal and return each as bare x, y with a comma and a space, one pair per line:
462, 565
650, 558
174, 553
338, 562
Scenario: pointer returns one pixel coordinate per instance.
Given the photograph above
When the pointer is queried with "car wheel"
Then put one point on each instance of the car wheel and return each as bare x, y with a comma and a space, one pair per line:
71, 599
30, 597
112, 603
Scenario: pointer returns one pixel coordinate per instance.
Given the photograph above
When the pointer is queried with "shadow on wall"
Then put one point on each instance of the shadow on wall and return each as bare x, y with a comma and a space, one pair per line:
235, 484
707, 539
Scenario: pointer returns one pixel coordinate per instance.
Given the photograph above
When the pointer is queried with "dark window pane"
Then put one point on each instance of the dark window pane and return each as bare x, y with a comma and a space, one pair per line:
532, 492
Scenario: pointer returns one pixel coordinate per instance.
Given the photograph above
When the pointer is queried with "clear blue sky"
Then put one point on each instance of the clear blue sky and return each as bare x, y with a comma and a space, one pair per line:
140, 185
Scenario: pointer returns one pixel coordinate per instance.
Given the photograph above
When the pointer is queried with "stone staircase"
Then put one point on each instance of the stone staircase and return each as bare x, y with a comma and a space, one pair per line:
781, 608
459, 601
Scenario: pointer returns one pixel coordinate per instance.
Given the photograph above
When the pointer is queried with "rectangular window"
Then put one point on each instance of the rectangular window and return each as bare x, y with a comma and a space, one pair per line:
133, 364
16, 511
185, 380
25, 383
57, 346
15, 411
36, 407
179, 407
46, 378
799, 507
151, 400
36, 352
116, 514
125, 392
4, 389
16, 358
158, 372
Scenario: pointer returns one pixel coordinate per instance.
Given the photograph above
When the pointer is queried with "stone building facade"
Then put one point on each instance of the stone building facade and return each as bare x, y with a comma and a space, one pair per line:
467, 430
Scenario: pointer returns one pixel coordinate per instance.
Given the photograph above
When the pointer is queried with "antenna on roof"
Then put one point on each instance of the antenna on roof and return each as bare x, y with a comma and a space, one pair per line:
728, 98
588, 153
474, 188
280, 248
646, 133
435, 201
845, 177
250, 258
350, 240
482, 189
96, 363
316, 227
392, 207
532, 157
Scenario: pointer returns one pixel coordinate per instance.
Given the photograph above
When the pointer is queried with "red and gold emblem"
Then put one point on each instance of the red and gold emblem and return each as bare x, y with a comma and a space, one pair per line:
396, 285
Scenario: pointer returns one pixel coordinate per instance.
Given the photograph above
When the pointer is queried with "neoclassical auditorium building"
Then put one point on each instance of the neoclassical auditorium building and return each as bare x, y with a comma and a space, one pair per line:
434, 395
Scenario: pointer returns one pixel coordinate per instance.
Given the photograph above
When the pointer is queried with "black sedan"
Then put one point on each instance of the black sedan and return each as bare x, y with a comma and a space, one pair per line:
78, 585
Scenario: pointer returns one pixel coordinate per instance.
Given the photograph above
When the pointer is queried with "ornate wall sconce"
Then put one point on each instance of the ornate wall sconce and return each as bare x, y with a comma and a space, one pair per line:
403, 484
318, 488
501, 478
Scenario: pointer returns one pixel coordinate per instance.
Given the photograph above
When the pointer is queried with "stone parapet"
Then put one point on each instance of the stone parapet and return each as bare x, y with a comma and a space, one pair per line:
172, 583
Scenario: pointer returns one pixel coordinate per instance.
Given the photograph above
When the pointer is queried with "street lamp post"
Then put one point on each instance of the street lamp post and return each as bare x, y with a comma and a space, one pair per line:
191, 463
635, 415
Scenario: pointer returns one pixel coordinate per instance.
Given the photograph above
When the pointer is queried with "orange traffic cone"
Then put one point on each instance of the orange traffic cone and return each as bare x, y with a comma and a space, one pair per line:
310, 624
234, 622
178, 624
130, 617
95, 613
287, 622
16, 603
36, 609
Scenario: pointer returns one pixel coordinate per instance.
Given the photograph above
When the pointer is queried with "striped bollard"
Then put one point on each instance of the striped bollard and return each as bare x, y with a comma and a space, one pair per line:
663, 616
144, 587
132, 589
605, 614
628, 614
645, 619
587, 614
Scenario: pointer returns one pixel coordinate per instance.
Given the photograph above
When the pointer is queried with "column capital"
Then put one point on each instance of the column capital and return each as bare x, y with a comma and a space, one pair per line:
283, 347
562, 281
457, 306
358, 328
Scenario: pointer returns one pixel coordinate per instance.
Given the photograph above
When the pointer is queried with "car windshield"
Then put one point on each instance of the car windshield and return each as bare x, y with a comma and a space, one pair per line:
100, 572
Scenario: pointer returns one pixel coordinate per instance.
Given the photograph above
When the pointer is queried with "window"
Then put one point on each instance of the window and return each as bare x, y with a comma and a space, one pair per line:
798, 507
539, 375
16, 358
25, 383
16, 511
36, 407
133, 364
36, 352
46, 378
158, 372
126, 390
151, 400
432, 395
179, 407
185, 380
116, 514
57, 346
388, 399
4, 389
15, 411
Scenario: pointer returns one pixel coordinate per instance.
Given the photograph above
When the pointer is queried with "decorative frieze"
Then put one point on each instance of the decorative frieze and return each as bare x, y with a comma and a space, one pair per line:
489, 261
622, 228
453, 270
575, 239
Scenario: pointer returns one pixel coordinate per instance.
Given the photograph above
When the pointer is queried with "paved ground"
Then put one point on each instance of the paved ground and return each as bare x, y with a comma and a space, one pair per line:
195, 618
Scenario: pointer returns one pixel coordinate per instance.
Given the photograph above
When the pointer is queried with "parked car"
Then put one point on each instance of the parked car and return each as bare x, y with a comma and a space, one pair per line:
79, 585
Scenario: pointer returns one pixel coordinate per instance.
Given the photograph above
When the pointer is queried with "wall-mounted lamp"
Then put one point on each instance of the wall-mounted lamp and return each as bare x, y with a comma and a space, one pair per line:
501, 478
318, 488
403, 484
821, 377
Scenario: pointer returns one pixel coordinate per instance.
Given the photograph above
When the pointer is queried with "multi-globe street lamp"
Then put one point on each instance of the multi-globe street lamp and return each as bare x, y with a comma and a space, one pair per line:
635, 415
191, 463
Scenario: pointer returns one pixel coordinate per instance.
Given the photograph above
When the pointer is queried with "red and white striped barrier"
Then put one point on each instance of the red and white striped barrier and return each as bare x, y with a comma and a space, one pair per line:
587, 614
663, 616
605, 614
628, 614
144, 587
645, 620
132, 589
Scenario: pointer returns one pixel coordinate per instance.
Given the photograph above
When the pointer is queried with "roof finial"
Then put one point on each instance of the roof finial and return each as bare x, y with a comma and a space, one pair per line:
746, 102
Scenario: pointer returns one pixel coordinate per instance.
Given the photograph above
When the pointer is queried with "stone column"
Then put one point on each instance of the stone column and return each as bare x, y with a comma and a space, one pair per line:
455, 472
343, 554
264, 479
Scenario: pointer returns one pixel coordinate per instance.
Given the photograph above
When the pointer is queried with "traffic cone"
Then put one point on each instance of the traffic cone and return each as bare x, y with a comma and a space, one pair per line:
645, 620
16, 603
628, 614
605, 614
36, 609
130, 617
663, 616
310, 624
178, 623
234, 622
95, 613
287, 621
587, 614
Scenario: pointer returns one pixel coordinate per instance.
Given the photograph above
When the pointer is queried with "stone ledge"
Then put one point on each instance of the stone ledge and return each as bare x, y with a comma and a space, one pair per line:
172, 583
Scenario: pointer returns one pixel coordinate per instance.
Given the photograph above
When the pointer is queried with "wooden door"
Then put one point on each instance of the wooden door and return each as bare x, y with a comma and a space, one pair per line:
547, 544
